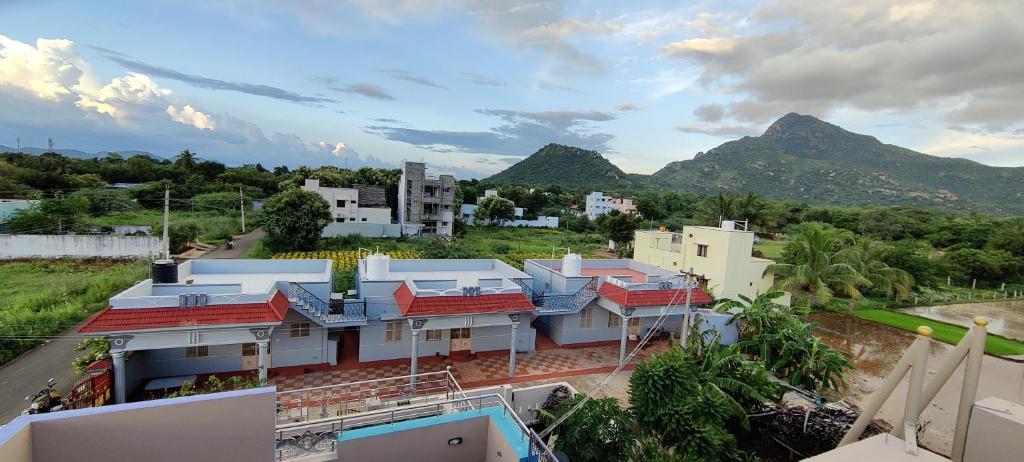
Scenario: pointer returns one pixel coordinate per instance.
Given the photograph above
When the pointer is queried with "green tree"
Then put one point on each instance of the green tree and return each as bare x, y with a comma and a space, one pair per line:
866, 258
714, 209
818, 267
598, 432
494, 211
295, 219
618, 227
649, 448
186, 161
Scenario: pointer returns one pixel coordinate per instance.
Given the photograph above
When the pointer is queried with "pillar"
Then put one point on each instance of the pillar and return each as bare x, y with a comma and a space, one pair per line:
119, 382
415, 356
622, 341
262, 345
512, 351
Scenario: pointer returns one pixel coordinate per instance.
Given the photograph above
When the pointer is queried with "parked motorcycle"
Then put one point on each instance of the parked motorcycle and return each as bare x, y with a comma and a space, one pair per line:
46, 400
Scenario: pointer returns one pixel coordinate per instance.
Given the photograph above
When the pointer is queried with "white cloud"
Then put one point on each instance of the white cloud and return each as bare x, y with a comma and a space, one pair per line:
125, 98
336, 150
187, 115
48, 70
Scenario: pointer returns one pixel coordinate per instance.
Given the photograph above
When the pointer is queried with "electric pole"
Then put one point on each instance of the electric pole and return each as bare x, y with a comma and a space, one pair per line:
167, 214
241, 205
49, 144
19, 144
683, 336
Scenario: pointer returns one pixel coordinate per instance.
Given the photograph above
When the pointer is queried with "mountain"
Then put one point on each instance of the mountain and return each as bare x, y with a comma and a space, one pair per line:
567, 166
79, 154
798, 157
803, 158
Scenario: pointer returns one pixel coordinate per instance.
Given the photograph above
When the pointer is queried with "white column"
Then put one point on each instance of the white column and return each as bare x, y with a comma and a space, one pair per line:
119, 383
262, 345
512, 351
622, 341
415, 356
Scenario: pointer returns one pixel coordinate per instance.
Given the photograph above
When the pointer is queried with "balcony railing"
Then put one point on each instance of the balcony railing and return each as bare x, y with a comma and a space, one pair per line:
300, 440
327, 312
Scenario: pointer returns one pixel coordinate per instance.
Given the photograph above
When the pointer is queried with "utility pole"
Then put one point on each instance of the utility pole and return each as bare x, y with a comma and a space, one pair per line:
683, 336
19, 144
167, 214
241, 205
49, 144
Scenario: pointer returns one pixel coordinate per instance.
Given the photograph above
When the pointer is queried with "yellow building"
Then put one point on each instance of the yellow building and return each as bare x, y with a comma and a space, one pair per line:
721, 257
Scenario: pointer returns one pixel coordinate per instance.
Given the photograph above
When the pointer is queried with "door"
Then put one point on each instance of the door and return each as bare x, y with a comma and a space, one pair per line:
461, 339
634, 326
251, 356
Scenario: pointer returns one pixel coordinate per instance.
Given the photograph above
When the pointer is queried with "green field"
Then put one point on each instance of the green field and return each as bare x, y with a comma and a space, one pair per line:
942, 332
770, 248
42, 298
214, 227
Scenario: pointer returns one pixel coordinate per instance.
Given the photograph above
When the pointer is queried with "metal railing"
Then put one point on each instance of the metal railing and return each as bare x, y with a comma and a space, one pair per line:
303, 439
341, 311
566, 303
333, 401
347, 310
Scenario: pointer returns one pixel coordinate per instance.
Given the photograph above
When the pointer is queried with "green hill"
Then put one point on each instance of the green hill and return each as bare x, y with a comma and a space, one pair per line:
567, 166
798, 157
801, 157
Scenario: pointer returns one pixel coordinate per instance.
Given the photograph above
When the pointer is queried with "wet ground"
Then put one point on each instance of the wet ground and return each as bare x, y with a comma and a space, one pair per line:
1005, 318
876, 348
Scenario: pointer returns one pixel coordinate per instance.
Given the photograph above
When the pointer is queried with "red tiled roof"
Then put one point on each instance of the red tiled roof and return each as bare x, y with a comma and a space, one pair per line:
660, 297
131, 319
411, 305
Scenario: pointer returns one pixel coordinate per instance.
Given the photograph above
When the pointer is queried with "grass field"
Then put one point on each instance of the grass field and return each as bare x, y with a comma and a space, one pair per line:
42, 298
770, 248
214, 227
942, 332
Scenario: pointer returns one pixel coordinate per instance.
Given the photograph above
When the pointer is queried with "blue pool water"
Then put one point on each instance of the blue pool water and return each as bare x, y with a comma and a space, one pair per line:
508, 427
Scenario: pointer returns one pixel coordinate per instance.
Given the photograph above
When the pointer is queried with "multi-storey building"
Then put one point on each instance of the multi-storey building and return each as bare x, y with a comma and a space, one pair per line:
425, 202
361, 209
722, 258
599, 204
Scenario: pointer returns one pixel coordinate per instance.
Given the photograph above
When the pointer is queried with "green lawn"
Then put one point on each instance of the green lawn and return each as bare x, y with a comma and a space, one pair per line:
770, 248
42, 298
214, 227
942, 332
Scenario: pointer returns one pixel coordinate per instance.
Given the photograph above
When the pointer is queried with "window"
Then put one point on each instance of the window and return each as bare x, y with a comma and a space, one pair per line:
352, 219
340, 219
587, 318
702, 250
393, 331
434, 335
298, 329
351, 202
197, 351
341, 203
634, 322
614, 320
364, 219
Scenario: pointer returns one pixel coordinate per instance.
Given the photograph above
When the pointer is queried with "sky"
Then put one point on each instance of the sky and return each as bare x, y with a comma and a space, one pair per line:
473, 86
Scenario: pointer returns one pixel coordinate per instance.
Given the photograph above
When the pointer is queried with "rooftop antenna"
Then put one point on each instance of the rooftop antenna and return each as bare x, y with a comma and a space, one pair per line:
553, 249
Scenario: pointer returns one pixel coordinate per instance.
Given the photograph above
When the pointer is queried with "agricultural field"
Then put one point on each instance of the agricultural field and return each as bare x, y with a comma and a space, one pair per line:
941, 331
43, 298
343, 259
208, 227
770, 248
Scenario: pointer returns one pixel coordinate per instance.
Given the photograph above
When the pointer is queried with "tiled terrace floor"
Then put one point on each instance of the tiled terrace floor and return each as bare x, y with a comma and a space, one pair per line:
482, 370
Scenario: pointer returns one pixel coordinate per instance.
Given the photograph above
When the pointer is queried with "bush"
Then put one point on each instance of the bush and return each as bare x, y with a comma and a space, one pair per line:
295, 219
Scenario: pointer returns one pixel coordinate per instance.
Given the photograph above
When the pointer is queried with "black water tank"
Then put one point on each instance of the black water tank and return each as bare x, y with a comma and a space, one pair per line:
165, 272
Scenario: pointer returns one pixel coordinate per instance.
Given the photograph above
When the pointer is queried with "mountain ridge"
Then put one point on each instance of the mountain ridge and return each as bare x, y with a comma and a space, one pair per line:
803, 158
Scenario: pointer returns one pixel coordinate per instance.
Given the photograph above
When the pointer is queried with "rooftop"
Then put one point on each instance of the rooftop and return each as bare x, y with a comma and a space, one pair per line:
624, 269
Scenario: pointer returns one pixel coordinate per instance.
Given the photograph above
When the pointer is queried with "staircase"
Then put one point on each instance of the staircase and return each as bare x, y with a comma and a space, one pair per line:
562, 303
340, 312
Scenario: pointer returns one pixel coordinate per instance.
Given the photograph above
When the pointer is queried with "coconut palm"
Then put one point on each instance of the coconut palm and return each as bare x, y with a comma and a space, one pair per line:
819, 267
186, 161
752, 209
865, 256
718, 208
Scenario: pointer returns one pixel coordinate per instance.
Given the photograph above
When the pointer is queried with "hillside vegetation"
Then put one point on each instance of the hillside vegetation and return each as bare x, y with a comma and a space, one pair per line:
801, 158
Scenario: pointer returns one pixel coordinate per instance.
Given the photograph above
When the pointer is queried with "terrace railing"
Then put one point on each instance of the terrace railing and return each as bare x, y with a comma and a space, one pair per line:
343, 311
568, 303
304, 439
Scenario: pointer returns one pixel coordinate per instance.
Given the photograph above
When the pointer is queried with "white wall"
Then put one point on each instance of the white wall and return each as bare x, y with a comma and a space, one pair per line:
72, 246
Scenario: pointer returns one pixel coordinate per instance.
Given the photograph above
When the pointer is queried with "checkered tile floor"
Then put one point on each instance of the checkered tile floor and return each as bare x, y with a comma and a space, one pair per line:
478, 369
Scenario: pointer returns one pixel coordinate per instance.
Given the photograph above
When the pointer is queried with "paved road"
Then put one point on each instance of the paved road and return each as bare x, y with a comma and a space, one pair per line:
240, 247
29, 372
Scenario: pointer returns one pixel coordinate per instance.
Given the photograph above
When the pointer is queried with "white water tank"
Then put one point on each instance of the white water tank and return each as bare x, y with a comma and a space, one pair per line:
729, 225
572, 265
377, 267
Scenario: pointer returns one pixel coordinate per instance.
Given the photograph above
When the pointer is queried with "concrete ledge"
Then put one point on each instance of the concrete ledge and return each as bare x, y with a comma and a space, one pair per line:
884, 447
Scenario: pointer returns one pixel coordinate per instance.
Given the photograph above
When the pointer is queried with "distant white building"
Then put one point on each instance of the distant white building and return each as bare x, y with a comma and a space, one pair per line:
467, 211
359, 210
599, 204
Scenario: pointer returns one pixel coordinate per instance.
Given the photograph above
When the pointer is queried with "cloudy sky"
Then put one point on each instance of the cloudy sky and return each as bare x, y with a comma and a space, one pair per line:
471, 86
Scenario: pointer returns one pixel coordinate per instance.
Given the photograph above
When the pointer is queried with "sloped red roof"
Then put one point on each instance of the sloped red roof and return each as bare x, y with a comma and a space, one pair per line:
411, 305
633, 298
132, 319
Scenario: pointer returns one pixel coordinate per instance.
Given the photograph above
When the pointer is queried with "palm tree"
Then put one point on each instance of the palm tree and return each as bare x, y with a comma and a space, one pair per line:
718, 208
752, 209
186, 161
865, 256
819, 269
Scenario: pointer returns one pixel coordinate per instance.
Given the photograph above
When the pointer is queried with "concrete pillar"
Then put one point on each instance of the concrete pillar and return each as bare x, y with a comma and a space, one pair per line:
119, 383
512, 351
415, 356
262, 345
622, 341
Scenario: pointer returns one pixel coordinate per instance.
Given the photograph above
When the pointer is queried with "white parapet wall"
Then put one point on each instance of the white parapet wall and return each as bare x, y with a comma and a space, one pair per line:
14, 246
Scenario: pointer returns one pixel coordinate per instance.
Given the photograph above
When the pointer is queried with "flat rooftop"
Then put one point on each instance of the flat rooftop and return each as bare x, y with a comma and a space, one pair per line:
463, 272
622, 268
